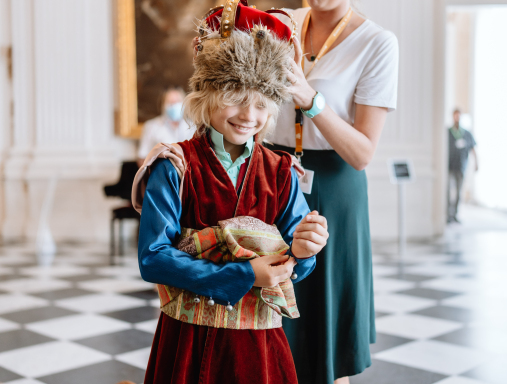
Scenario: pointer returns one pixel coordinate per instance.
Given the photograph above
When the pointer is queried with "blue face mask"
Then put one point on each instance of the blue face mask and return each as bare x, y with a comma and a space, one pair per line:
174, 112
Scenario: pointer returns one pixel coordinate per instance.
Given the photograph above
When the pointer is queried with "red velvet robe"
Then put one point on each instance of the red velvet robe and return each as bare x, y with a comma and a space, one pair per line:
185, 353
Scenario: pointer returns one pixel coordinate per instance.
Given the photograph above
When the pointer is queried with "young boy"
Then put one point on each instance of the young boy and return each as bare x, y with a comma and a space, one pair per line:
220, 211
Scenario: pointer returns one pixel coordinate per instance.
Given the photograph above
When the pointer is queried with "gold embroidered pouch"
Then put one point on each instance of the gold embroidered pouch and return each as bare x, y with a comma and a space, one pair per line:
235, 240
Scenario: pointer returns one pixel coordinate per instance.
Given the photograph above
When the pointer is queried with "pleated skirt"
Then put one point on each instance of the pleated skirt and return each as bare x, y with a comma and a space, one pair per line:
331, 339
185, 353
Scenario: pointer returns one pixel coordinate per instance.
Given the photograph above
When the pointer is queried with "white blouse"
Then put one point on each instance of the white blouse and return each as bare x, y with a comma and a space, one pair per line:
362, 69
160, 130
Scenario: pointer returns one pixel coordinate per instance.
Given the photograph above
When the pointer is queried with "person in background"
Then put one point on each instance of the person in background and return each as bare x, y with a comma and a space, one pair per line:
169, 127
461, 143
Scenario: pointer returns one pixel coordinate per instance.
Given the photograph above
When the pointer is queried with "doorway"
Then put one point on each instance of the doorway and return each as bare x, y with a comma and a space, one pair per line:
476, 83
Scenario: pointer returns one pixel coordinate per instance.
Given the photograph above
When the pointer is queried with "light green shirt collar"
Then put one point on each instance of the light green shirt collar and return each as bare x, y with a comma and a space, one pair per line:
218, 143
457, 133
225, 158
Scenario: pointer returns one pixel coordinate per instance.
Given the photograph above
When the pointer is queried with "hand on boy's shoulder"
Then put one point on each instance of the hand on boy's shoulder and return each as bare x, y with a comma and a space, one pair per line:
310, 236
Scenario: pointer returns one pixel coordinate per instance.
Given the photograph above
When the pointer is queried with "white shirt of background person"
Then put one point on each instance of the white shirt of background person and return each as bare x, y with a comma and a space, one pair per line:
169, 127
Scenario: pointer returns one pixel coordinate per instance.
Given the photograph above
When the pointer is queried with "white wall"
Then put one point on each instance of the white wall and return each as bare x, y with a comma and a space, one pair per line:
63, 118
5, 86
63, 95
5, 90
409, 130
416, 130
491, 98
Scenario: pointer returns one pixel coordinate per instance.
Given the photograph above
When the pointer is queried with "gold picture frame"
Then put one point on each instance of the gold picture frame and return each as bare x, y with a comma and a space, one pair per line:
174, 18
125, 116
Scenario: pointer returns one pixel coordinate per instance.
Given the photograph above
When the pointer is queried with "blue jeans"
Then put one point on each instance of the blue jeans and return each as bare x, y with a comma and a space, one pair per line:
454, 184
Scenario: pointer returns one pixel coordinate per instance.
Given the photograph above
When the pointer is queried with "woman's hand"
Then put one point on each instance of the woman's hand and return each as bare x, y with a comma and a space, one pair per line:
195, 42
301, 91
355, 144
271, 270
310, 236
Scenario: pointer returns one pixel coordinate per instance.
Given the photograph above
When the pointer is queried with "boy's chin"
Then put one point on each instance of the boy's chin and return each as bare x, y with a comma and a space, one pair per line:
239, 139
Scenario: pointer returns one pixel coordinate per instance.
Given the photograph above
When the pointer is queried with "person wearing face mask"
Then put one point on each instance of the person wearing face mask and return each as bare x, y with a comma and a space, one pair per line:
168, 128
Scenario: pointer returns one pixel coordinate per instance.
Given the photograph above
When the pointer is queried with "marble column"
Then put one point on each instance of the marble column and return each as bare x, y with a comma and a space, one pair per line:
63, 128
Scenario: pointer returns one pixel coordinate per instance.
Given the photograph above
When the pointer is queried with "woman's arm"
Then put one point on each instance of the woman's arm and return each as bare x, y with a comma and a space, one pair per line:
355, 144
476, 159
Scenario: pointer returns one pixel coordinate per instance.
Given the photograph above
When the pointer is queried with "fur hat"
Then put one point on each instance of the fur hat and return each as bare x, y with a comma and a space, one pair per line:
241, 57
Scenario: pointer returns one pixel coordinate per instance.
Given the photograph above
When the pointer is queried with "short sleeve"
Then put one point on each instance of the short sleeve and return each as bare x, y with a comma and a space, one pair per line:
471, 140
146, 142
378, 83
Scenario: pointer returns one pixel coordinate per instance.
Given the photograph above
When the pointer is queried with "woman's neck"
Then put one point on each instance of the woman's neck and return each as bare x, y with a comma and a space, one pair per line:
329, 18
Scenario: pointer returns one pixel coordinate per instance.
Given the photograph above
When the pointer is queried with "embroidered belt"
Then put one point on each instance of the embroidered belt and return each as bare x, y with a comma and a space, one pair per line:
235, 240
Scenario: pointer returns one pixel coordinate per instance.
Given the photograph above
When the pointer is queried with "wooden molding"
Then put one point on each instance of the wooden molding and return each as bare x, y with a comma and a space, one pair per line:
126, 123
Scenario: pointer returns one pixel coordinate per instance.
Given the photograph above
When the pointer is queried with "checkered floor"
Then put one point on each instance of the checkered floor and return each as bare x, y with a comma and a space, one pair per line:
80, 321
442, 318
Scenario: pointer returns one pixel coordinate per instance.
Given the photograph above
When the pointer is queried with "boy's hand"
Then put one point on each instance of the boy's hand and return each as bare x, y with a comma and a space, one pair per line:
195, 42
310, 236
271, 270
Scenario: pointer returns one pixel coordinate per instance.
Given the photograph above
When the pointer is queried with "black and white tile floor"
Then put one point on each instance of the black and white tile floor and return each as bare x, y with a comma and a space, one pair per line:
442, 320
80, 321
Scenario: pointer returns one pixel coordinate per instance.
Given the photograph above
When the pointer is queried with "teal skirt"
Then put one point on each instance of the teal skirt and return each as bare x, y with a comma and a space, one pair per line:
331, 339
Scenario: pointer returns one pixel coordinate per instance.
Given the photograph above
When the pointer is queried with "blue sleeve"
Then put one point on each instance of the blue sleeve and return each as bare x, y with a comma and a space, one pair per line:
161, 263
295, 211
471, 140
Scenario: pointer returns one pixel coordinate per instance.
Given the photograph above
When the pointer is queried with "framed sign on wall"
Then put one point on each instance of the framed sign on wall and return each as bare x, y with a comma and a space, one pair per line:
401, 171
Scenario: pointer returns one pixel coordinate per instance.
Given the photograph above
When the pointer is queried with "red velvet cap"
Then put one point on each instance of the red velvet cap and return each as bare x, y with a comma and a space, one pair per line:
247, 17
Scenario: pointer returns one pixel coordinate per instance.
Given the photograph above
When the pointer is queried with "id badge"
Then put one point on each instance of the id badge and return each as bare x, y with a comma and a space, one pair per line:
460, 143
306, 182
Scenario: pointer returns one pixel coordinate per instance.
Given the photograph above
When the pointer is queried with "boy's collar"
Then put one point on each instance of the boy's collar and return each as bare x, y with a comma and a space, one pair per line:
217, 139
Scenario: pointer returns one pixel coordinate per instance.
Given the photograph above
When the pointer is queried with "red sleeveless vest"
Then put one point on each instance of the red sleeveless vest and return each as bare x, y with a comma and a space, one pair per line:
209, 195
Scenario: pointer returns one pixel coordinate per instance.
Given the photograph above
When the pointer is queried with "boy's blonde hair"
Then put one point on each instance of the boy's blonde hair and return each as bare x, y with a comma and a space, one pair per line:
198, 107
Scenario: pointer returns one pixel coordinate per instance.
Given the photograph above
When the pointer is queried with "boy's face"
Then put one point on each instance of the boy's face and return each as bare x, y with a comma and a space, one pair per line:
239, 122
456, 117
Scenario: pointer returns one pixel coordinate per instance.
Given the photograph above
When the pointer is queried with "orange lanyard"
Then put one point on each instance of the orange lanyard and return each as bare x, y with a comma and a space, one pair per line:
325, 48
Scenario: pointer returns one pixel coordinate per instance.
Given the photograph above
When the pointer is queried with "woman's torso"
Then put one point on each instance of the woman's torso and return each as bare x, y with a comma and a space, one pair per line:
337, 76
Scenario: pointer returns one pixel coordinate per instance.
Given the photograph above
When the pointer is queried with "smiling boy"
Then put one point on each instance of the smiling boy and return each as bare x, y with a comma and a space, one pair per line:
225, 229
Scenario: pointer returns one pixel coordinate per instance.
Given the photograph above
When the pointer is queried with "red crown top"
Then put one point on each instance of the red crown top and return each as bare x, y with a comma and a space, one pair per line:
245, 18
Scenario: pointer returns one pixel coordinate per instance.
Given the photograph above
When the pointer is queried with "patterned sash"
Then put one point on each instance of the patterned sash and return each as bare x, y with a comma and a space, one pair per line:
235, 240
